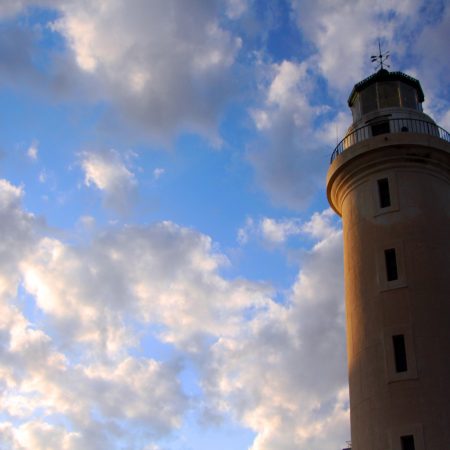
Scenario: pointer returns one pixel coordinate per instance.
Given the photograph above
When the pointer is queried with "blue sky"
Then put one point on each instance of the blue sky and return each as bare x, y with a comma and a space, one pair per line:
170, 272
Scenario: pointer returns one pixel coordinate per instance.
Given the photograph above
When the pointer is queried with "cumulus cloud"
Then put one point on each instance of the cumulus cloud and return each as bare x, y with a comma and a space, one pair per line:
101, 397
289, 157
160, 68
18, 230
162, 274
277, 368
344, 33
271, 231
432, 67
39, 436
297, 122
322, 225
94, 398
277, 231
108, 171
284, 374
164, 68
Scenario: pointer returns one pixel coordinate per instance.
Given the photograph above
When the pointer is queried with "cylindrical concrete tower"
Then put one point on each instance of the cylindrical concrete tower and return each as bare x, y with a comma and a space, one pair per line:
390, 181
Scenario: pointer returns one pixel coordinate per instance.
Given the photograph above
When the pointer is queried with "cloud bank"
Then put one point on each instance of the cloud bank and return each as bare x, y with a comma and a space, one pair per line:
77, 364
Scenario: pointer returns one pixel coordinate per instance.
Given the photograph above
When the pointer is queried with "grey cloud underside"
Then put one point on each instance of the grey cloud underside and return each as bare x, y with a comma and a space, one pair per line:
289, 165
162, 70
16, 51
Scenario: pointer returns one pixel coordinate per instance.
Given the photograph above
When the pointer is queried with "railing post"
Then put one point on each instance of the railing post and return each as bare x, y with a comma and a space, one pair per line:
395, 126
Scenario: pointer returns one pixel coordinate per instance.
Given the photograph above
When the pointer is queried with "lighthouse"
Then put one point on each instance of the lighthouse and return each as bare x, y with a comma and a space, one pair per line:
389, 180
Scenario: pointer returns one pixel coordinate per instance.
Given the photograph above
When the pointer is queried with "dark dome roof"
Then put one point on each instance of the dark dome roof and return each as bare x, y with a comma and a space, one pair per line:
384, 75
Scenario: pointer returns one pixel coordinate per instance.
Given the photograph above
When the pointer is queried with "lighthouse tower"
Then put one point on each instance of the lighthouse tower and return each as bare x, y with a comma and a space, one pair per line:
389, 179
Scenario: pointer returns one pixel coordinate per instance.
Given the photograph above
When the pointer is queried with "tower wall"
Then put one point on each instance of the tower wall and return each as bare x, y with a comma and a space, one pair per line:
386, 403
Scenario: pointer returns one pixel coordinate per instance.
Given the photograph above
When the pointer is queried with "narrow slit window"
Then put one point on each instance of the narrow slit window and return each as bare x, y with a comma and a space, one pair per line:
401, 364
384, 193
391, 264
408, 442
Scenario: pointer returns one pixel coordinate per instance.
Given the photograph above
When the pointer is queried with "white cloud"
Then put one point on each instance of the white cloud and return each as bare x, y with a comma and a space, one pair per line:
32, 151
158, 173
345, 33
9, 8
278, 368
17, 229
94, 399
284, 88
284, 375
36, 374
277, 231
86, 222
139, 389
165, 68
56, 272
158, 69
271, 231
108, 171
162, 274
42, 177
91, 398
235, 8
428, 49
38, 436
321, 225
289, 156
244, 233
297, 123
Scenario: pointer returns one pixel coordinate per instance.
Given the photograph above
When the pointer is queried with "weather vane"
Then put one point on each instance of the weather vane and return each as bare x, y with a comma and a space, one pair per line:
381, 58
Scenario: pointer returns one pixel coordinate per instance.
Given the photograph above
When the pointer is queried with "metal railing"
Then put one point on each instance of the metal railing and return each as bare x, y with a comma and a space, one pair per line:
385, 126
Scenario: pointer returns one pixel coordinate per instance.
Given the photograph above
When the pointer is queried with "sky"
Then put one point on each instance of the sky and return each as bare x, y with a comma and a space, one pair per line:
170, 271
